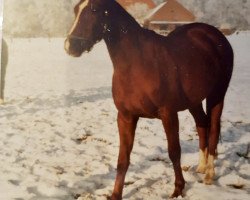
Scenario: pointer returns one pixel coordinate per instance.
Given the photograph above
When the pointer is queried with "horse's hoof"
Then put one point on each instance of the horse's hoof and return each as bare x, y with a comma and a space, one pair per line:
177, 192
201, 169
208, 180
114, 197
108, 197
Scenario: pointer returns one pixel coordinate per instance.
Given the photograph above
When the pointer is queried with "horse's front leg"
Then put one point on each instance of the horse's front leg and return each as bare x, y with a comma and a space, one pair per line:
126, 126
171, 126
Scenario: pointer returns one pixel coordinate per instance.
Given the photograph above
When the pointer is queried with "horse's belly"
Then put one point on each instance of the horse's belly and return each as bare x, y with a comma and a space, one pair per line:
136, 104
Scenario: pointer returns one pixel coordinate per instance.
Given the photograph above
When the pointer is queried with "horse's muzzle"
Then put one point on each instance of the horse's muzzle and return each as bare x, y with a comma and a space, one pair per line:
75, 46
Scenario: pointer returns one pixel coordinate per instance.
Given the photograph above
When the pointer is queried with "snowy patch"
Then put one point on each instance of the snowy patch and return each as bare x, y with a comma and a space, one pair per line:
59, 135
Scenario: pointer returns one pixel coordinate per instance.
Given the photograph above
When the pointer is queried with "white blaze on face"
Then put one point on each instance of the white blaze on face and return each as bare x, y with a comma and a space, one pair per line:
81, 7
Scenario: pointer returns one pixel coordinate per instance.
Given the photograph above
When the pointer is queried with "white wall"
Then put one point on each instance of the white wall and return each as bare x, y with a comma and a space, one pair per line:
37, 18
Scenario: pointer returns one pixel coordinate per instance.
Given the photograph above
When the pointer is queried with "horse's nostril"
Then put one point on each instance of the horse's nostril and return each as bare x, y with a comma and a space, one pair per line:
75, 45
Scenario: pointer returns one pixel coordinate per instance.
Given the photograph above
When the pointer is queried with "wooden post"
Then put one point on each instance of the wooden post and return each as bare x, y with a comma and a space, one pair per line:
2, 74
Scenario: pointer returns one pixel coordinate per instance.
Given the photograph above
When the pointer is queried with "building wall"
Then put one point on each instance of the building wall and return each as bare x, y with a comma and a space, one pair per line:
233, 13
164, 29
47, 18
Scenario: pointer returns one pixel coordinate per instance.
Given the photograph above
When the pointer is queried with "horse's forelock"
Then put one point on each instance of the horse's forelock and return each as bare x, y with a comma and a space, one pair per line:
81, 6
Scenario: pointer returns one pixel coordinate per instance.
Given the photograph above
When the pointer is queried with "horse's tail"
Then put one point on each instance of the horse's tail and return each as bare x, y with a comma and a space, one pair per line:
215, 100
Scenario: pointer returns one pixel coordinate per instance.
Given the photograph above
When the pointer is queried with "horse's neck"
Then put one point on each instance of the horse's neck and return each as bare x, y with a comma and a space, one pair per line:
122, 33
123, 47
121, 40
115, 36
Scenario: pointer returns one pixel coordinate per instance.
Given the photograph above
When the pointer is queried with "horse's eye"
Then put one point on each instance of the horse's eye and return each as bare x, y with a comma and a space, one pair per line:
93, 9
106, 13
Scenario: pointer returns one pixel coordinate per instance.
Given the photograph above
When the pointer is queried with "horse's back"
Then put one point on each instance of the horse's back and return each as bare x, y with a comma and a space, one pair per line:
203, 39
204, 59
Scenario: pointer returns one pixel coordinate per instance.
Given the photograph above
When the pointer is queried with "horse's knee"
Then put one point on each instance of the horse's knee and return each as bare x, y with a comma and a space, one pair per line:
122, 166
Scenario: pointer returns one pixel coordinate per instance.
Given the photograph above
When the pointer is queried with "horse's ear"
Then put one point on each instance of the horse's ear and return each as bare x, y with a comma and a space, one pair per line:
108, 1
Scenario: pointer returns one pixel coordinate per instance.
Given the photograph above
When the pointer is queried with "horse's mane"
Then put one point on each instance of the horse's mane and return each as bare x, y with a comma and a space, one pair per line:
123, 21
123, 16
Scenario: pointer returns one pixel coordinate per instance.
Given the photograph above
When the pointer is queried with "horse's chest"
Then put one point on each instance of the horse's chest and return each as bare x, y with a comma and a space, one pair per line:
134, 97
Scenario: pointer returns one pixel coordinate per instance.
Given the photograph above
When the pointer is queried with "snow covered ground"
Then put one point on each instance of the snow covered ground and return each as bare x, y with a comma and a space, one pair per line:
58, 133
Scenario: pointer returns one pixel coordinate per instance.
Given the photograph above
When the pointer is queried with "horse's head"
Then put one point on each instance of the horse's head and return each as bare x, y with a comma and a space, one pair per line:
89, 26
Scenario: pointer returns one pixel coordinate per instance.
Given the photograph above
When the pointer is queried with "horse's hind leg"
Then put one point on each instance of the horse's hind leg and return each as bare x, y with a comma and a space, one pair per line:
214, 111
201, 122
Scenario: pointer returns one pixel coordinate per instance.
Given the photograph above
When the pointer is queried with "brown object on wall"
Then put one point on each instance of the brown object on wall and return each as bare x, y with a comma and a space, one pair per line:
126, 3
167, 16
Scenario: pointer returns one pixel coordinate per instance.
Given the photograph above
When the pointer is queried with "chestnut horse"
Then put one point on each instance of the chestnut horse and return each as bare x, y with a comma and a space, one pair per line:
156, 76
